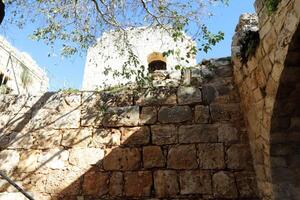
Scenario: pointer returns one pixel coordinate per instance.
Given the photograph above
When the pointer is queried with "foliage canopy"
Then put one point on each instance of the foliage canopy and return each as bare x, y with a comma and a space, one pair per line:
80, 22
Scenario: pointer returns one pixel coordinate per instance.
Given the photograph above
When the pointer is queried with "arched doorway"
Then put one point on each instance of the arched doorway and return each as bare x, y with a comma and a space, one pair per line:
285, 128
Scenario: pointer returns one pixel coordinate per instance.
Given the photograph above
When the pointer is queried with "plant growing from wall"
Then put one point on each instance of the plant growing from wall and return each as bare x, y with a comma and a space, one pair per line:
26, 78
272, 5
249, 44
69, 90
4, 89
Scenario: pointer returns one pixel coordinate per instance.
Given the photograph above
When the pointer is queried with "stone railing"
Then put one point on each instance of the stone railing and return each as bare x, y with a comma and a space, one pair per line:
258, 79
183, 142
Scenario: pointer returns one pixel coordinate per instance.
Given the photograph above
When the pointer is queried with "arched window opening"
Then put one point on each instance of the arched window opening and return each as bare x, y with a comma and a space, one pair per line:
156, 61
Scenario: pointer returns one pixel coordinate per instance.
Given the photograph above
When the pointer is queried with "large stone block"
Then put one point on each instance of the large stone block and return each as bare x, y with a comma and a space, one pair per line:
135, 136
16, 122
188, 95
60, 101
92, 109
198, 133
63, 182
29, 161
46, 139
84, 157
138, 184
164, 134
122, 159
225, 112
246, 184
95, 183
76, 137
195, 182
148, 115
94, 104
211, 156
156, 96
239, 157
209, 94
18, 140
153, 157
224, 185
166, 183
58, 111
9, 160
57, 118
182, 157
175, 114
227, 133
102, 137
202, 114
116, 184
121, 116
53, 159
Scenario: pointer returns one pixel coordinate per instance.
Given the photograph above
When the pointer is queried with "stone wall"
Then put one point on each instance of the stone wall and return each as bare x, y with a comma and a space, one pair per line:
258, 80
110, 55
15, 66
180, 142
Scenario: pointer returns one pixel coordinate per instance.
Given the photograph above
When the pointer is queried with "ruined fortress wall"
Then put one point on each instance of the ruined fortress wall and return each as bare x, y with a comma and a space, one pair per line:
16, 65
270, 112
180, 142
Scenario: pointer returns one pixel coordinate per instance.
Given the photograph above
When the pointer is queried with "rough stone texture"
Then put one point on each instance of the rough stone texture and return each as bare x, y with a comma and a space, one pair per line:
224, 185
95, 183
198, 133
138, 184
160, 143
166, 183
148, 115
211, 156
9, 160
135, 136
188, 95
238, 157
121, 116
182, 157
81, 156
102, 137
195, 182
164, 134
175, 114
202, 115
153, 157
266, 84
116, 184
122, 159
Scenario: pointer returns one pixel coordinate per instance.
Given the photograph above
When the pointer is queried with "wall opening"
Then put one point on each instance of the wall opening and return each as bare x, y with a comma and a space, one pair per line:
285, 128
156, 61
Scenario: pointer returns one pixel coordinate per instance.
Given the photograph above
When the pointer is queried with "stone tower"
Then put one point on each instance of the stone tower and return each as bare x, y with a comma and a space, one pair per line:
108, 53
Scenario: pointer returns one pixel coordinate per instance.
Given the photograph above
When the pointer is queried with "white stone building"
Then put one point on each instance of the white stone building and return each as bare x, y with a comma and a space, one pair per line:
19, 73
106, 54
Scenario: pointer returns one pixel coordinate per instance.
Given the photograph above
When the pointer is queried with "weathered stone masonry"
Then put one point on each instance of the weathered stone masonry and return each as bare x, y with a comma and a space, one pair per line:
182, 142
269, 89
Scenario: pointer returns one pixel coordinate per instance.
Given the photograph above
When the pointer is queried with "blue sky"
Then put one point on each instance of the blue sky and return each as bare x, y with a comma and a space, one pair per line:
68, 72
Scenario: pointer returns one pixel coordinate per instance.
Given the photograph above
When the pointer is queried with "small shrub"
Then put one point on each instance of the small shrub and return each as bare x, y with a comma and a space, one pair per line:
249, 44
272, 5
69, 90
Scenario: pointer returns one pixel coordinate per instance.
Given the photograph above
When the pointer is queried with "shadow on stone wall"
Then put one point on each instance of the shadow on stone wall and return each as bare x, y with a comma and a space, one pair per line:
187, 142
